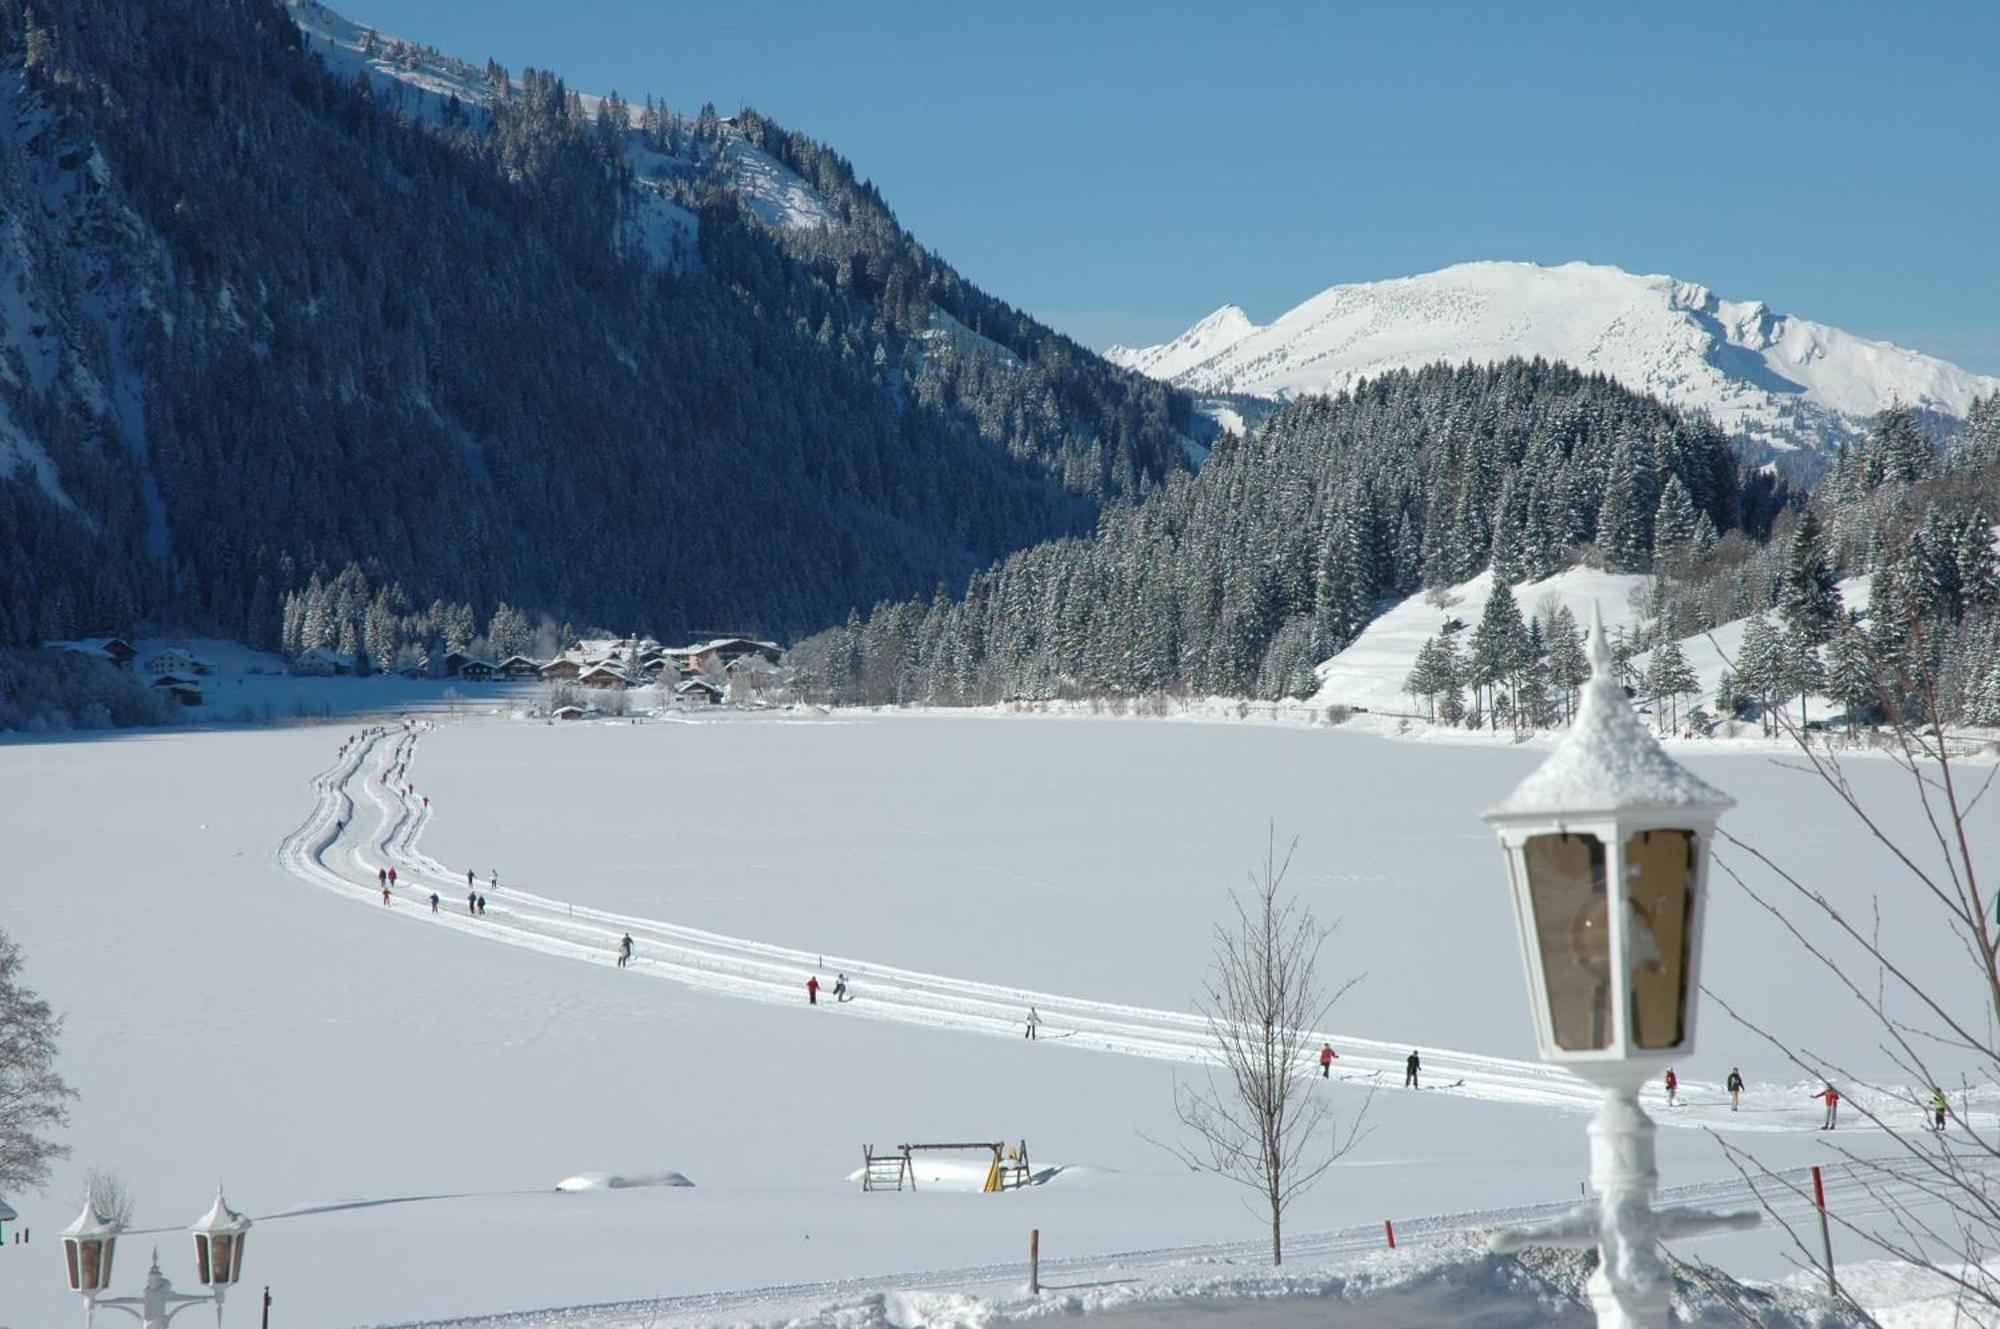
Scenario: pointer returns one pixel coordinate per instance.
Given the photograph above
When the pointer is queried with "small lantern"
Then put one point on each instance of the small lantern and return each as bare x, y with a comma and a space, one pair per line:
1607, 856
219, 1235
88, 1245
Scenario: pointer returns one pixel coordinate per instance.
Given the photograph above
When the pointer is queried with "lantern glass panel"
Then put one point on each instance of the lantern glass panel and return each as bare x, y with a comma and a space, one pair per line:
1660, 878
1566, 885
201, 1245
75, 1276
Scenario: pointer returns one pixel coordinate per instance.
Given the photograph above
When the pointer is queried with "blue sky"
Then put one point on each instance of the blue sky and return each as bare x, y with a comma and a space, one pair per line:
1121, 169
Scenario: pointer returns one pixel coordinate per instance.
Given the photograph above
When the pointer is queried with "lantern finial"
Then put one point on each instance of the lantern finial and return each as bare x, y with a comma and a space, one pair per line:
1601, 663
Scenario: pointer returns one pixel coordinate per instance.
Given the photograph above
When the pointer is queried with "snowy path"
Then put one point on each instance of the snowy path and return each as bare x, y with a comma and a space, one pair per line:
366, 817
1210, 1274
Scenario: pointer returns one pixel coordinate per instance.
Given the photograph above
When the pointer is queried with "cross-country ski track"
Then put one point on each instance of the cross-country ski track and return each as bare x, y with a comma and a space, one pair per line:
363, 820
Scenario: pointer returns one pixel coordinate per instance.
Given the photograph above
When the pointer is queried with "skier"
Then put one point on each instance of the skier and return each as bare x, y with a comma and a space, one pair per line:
1410, 1069
392, 876
625, 950
1034, 1029
1326, 1059
381, 876
1673, 1088
1735, 1086
427, 802
385, 895
482, 906
1832, 1097
471, 903
812, 990
840, 987
468, 879
1937, 1109
434, 902
494, 879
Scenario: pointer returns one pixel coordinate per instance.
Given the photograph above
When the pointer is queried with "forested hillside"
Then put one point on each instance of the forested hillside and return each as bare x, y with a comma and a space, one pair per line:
1242, 578
266, 320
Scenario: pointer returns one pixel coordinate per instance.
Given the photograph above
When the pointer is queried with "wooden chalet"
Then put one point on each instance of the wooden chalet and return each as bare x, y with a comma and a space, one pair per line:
186, 691
478, 670
604, 676
719, 652
560, 670
111, 650
698, 692
567, 713
174, 660
520, 666
320, 662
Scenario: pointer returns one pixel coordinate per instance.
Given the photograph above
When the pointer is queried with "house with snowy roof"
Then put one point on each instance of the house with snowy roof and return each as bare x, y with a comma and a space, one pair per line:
319, 662
185, 690
174, 660
604, 676
520, 666
720, 651
698, 692
111, 650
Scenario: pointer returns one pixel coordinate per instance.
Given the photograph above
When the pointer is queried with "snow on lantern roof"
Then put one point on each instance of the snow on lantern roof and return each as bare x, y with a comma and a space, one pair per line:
220, 1218
7, 1215
89, 1225
1608, 763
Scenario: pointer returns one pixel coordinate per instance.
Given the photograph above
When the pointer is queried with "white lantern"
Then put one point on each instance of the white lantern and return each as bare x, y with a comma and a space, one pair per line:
89, 1242
219, 1235
1607, 857
1607, 849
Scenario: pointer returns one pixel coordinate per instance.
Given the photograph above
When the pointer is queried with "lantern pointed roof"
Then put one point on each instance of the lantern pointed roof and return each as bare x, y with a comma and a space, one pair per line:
90, 1224
220, 1218
1608, 762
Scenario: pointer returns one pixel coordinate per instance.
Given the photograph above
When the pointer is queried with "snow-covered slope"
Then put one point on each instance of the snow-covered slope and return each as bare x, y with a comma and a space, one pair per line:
1369, 674
1781, 381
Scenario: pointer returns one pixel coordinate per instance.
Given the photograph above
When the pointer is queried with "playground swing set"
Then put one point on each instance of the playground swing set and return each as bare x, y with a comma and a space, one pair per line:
894, 1170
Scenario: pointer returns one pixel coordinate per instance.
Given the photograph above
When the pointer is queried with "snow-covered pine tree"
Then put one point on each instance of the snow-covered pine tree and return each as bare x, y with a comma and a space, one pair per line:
1498, 650
1623, 540
1669, 677
1568, 665
1759, 665
1850, 676
1674, 523
1808, 599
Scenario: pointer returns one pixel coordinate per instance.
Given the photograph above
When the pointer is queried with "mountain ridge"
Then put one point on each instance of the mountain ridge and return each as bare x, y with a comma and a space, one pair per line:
1784, 384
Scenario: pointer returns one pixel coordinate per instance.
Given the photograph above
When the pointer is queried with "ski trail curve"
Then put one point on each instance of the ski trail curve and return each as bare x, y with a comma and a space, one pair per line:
365, 817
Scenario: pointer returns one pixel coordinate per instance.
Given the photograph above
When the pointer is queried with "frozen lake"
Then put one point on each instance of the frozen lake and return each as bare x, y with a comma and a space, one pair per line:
227, 1020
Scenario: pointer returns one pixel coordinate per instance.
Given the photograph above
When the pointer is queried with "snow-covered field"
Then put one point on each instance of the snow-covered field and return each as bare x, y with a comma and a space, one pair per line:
397, 1096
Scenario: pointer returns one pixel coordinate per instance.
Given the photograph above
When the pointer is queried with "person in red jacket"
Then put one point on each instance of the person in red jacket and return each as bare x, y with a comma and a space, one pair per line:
1832, 1097
1673, 1088
812, 990
1326, 1060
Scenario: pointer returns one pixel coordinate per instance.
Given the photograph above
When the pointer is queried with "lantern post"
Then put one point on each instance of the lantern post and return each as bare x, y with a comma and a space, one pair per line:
1607, 846
90, 1241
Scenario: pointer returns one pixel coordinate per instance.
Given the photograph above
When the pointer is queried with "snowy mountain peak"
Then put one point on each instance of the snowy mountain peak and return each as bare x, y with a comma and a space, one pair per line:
1206, 339
1780, 381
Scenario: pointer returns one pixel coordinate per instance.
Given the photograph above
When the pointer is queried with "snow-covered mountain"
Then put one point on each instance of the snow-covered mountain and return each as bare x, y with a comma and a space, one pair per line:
1780, 381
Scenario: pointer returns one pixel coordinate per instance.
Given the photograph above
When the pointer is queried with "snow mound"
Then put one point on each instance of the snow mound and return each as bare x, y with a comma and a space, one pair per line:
620, 1181
1608, 762
1782, 381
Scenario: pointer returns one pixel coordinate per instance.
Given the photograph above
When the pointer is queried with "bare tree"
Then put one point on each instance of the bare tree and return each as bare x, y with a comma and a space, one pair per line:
1257, 1118
108, 1194
1930, 1195
33, 1098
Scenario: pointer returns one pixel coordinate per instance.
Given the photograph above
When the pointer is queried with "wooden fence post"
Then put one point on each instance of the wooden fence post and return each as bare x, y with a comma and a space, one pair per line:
1389, 1230
1035, 1262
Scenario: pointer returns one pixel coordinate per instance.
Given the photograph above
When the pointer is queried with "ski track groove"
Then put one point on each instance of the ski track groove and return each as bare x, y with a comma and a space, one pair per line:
344, 861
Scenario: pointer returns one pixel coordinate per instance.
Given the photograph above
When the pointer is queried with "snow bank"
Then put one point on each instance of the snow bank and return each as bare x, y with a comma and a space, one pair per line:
619, 1181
